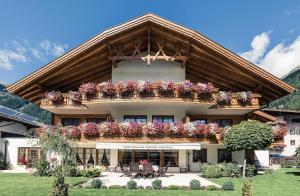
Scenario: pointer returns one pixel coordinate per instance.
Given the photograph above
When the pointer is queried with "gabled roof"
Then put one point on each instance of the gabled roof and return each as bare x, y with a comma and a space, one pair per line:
208, 62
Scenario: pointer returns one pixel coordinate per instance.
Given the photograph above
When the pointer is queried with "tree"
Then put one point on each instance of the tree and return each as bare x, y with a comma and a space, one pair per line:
53, 141
248, 136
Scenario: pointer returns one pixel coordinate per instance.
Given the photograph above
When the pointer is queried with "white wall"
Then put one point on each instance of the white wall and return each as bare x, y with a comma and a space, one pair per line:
12, 150
139, 70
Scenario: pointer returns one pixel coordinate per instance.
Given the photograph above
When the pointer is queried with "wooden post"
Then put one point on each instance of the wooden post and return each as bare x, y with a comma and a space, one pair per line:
83, 157
26, 155
162, 158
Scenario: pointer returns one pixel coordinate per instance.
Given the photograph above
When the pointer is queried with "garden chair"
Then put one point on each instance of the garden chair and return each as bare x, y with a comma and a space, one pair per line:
148, 169
163, 170
125, 171
134, 169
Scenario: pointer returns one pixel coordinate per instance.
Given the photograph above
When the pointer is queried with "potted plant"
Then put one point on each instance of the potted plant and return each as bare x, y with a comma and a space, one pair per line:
108, 129
75, 97
224, 98
89, 130
165, 89
55, 97
88, 90
155, 129
126, 88
205, 91
244, 98
106, 89
185, 89
145, 88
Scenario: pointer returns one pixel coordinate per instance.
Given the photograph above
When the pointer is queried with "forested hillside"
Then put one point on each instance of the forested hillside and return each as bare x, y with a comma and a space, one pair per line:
19, 104
290, 102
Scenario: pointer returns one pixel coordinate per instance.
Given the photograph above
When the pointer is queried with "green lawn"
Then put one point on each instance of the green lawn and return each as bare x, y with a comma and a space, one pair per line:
282, 182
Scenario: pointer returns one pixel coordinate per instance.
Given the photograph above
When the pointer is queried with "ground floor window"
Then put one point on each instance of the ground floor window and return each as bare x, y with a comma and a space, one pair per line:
28, 156
200, 155
91, 156
155, 157
224, 156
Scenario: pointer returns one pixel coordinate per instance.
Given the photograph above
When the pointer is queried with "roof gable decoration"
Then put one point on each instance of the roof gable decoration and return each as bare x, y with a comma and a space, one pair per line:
157, 38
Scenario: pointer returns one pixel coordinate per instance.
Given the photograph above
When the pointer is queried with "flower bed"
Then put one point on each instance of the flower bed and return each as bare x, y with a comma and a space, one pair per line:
128, 89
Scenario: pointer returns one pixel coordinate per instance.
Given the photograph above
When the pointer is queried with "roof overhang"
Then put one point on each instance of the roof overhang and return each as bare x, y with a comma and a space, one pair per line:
208, 61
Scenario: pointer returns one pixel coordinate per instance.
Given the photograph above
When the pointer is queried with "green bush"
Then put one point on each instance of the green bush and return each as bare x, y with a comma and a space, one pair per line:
231, 170
140, 187
268, 171
116, 187
228, 185
96, 183
173, 187
250, 170
195, 184
203, 167
3, 165
288, 163
42, 166
213, 171
156, 184
247, 189
91, 173
212, 188
59, 188
131, 184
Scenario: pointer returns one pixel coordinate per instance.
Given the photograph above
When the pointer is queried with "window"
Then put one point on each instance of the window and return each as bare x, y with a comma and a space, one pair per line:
164, 119
70, 121
292, 132
292, 142
224, 122
22, 156
224, 156
200, 121
96, 120
296, 120
31, 159
200, 155
125, 157
172, 157
135, 118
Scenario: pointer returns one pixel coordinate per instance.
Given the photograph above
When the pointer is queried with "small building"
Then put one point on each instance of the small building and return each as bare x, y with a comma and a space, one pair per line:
292, 138
15, 148
150, 89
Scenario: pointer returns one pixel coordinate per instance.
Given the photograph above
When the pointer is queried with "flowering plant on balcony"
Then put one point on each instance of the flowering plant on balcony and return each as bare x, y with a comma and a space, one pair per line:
155, 129
72, 132
176, 129
75, 96
145, 88
88, 89
224, 98
89, 129
107, 88
244, 97
190, 128
109, 129
165, 88
54, 96
279, 130
126, 88
204, 90
131, 129
211, 130
185, 89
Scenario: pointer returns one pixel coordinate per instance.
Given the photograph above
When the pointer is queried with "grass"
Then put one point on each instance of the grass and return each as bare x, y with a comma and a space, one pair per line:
282, 182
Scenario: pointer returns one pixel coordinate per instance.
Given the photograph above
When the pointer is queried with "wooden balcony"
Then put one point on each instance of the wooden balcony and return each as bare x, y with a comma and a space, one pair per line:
98, 104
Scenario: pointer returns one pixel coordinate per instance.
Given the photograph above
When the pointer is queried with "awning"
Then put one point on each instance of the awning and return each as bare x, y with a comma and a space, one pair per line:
150, 146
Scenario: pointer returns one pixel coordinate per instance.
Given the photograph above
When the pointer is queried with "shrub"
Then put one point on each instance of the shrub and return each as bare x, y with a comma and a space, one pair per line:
91, 173
131, 184
3, 165
231, 170
203, 167
228, 185
96, 183
250, 170
288, 162
156, 184
116, 187
148, 187
211, 188
140, 187
268, 171
213, 171
59, 188
195, 184
173, 187
42, 166
247, 189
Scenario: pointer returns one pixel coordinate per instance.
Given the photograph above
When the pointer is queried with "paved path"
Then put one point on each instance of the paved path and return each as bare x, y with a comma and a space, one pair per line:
180, 179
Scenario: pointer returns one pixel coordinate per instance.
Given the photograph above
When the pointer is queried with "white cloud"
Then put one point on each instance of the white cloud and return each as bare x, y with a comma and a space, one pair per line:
9, 57
279, 60
22, 52
52, 48
259, 46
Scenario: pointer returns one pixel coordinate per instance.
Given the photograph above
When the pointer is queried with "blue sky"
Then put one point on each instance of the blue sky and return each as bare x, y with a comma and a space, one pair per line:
35, 32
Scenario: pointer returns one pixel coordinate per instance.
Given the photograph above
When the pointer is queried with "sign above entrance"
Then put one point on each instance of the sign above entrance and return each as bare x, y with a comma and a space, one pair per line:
150, 146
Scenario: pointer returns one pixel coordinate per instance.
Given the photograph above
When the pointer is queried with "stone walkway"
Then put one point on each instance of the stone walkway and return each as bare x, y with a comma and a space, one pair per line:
180, 179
